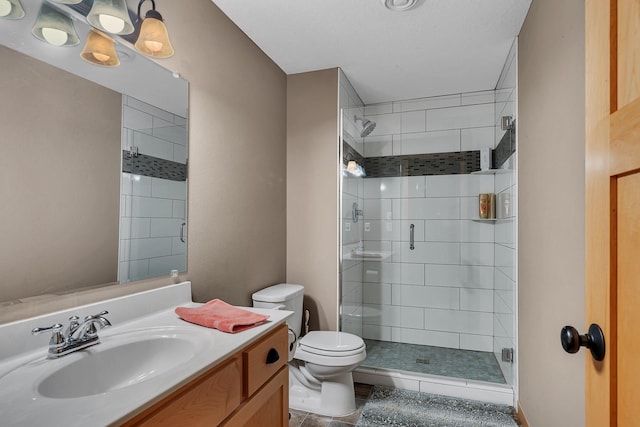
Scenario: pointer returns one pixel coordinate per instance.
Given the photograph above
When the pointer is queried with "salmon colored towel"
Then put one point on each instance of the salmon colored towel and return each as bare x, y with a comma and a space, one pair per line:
222, 316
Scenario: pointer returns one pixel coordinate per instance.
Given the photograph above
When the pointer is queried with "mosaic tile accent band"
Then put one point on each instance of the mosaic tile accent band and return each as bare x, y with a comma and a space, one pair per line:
154, 167
505, 148
453, 163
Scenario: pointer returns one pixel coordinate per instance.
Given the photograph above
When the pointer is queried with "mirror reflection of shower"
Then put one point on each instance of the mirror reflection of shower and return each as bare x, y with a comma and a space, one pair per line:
367, 126
355, 212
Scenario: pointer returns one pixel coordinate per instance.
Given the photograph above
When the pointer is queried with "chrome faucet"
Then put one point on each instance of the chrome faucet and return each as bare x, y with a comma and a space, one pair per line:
77, 336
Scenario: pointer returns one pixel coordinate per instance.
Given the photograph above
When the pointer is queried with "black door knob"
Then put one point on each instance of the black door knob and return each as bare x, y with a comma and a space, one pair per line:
593, 340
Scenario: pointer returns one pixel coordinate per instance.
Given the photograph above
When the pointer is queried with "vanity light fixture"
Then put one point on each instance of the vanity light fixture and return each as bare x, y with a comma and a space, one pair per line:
153, 39
11, 9
100, 49
111, 16
54, 27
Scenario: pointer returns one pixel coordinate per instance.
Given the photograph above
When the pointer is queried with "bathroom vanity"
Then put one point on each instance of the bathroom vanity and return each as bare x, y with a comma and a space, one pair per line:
245, 389
150, 368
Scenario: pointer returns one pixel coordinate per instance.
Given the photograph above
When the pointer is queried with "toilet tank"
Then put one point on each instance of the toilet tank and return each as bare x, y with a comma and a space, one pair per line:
285, 296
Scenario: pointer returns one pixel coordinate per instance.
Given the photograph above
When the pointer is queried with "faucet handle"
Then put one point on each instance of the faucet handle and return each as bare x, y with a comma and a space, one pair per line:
74, 324
96, 316
89, 328
56, 335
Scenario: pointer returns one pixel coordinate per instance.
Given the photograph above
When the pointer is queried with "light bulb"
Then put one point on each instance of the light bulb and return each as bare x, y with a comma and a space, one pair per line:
100, 56
54, 36
111, 23
5, 7
153, 46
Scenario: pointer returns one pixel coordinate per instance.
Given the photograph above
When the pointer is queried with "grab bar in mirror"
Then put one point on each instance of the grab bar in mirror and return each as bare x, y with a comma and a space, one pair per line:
411, 233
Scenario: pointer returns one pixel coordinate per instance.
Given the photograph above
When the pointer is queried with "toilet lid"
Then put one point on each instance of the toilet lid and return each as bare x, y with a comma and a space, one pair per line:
331, 343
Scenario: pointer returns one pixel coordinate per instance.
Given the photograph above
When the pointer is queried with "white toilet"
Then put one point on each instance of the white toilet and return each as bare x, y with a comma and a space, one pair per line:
321, 362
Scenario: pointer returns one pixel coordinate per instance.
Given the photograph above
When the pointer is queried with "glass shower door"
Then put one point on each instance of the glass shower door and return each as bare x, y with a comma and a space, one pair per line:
153, 230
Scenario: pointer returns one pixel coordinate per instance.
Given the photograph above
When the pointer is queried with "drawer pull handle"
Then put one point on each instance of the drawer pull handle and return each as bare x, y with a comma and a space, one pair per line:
272, 356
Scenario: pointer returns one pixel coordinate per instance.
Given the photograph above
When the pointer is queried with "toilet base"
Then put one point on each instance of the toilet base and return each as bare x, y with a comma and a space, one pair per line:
334, 399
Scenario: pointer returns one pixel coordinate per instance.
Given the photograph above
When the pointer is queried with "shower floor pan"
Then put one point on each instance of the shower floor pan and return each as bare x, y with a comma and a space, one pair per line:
424, 359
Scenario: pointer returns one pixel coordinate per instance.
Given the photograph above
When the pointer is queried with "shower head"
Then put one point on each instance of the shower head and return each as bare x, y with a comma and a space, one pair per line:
367, 126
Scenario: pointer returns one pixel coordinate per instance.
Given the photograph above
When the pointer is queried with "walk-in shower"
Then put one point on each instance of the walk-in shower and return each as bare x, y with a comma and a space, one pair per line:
427, 283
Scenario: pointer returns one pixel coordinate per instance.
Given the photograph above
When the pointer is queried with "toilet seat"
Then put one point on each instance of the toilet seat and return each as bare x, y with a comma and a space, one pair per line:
332, 343
330, 348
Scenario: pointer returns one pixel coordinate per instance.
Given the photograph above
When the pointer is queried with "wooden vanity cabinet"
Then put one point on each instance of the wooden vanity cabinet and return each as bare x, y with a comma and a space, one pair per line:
250, 388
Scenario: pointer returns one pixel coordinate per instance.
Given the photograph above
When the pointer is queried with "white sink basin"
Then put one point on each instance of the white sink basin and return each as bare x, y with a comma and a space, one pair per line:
108, 368
120, 361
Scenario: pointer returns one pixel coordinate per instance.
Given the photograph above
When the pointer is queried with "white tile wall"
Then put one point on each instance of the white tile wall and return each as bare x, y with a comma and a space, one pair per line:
427, 208
426, 142
464, 276
468, 116
483, 97
377, 293
426, 296
468, 322
378, 146
477, 138
430, 103
451, 265
152, 209
413, 121
394, 188
387, 272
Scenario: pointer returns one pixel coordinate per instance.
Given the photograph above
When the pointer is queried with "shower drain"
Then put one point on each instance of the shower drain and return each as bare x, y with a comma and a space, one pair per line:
423, 361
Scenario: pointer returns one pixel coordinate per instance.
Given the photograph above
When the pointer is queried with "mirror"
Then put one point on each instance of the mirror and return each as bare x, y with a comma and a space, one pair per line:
93, 169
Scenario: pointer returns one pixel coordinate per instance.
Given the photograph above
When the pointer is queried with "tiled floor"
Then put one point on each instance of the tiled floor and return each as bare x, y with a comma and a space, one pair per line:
467, 364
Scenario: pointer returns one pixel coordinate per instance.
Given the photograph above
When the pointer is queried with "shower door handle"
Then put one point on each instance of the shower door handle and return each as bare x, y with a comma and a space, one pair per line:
411, 240
182, 232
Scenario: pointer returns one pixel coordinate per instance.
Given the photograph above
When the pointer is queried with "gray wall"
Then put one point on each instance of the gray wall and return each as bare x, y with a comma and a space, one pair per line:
551, 209
57, 180
313, 191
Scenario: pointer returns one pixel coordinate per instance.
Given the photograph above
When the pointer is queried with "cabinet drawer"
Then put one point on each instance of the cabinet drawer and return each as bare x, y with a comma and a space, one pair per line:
269, 407
257, 368
204, 402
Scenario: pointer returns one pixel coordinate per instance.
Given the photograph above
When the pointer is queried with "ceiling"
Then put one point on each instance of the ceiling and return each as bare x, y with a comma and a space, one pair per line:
439, 47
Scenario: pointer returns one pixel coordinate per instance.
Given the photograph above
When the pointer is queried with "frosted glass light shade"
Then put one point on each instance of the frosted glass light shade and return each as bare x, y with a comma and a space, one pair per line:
154, 38
111, 16
11, 9
100, 49
67, 1
54, 27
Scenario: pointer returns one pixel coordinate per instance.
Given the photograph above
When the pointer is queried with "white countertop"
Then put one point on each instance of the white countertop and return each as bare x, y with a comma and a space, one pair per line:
24, 364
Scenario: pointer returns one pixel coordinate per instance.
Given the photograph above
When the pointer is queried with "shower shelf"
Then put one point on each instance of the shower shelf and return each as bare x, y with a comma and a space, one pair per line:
492, 172
484, 219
